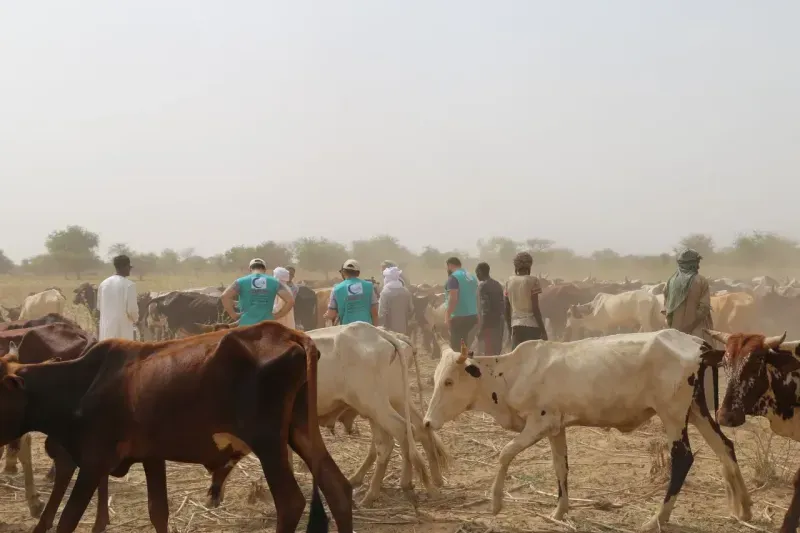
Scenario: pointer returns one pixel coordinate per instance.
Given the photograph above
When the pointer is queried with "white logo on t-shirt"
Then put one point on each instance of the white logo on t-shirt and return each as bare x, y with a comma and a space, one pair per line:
259, 283
356, 289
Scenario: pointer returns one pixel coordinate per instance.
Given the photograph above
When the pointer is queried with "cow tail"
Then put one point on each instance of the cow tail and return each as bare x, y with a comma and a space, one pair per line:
317, 519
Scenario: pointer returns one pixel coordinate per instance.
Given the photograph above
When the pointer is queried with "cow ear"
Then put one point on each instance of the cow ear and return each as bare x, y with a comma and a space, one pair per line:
473, 371
782, 361
12, 382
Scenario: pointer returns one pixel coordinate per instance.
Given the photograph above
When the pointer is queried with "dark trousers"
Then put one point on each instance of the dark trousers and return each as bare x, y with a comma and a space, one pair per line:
520, 334
461, 329
492, 338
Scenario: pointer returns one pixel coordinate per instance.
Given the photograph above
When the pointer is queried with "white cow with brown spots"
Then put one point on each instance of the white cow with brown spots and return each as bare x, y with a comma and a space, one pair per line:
619, 381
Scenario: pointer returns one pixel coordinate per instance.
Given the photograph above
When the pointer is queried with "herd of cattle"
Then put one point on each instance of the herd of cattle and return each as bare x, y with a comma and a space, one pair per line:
107, 405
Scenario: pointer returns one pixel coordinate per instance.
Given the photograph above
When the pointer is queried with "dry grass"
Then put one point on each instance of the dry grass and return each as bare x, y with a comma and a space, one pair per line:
611, 486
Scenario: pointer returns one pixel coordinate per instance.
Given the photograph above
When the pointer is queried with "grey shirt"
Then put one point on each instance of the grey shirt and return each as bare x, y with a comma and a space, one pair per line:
395, 308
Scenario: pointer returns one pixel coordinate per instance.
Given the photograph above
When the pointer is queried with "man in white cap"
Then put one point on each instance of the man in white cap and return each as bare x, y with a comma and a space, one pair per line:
354, 299
257, 292
394, 304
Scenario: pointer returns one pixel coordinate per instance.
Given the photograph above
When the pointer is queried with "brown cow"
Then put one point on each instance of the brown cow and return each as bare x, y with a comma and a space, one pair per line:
61, 341
556, 300
764, 381
323, 297
193, 400
50, 318
735, 311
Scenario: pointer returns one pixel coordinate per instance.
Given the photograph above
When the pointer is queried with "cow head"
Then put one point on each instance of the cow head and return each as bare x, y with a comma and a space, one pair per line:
456, 383
86, 294
13, 399
752, 362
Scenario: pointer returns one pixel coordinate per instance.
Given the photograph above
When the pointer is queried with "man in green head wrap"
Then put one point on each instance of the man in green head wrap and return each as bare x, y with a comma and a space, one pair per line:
687, 299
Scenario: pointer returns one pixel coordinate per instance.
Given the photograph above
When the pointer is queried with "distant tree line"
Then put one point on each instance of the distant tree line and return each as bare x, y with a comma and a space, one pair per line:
74, 251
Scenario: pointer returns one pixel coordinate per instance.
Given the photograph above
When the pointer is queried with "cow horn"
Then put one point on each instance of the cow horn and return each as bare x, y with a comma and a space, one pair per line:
774, 342
462, 357
718, 335
790, 346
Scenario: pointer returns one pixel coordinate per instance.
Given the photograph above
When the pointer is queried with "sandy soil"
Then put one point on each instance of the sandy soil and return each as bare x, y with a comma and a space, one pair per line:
615, 482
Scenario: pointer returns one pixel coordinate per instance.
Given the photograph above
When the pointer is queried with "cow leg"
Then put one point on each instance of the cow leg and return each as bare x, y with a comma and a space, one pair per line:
435, 451
155, 472
51, 474
64, 468
738, 497
348, 421
334, 485
216, 492
536, 428
35, 504
289, 500
102, 520
358, 478
682, 460
89, 477
558, 446
12, 450
792, 517
384, 444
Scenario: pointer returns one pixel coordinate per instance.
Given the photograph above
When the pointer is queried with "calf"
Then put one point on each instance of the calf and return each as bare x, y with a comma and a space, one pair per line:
607, 312
764, 380
124, 402
620, 381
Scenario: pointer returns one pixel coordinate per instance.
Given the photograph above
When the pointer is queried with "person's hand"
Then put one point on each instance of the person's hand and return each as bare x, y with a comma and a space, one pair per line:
235, 316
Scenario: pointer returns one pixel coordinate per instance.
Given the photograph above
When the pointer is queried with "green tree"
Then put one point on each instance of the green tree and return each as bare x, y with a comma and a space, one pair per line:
74, 249
760, 248
6, 264
168, 261
541, 250
120, 248
432, 258
500, 249
371, 252
699, 242
320, 255
144, 264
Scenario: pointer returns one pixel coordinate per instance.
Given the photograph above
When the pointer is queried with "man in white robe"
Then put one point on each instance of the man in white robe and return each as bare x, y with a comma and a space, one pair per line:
284, 276
116, 303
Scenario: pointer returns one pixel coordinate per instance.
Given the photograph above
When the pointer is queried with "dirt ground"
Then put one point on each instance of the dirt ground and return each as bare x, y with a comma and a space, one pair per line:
616, 484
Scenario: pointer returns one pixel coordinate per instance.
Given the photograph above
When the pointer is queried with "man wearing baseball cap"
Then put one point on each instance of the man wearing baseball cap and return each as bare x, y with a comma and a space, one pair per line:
257, 292
354, 299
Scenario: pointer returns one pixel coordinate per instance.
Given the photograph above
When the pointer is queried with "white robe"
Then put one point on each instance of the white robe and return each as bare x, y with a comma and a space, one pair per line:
288, 320
116, 302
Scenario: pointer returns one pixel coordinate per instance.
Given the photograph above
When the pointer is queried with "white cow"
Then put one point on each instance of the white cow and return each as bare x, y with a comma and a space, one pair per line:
364, 368
42, 303
632, 309
620, 381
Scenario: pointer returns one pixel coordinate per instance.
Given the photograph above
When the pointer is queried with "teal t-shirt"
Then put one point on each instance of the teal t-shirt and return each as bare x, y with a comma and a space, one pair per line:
257, 294
354, 301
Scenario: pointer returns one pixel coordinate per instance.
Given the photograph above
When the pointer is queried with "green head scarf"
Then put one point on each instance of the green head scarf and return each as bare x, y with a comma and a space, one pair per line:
678, 285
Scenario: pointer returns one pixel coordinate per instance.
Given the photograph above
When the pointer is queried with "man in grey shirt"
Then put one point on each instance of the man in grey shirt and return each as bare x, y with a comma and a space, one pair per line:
395, 306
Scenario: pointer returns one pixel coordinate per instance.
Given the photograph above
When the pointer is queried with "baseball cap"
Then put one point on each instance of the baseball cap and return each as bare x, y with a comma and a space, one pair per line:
257, 262
351, 264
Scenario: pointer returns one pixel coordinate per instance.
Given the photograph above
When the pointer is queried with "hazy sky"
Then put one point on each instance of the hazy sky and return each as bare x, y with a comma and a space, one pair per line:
615, 123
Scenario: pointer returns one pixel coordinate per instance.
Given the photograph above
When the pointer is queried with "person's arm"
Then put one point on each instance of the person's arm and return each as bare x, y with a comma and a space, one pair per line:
383, 307
374, 309
507, 308
703, 305
333, 309
99, 297
288, 302
452, 298
537, 313
227, 300
484, 306
133, 308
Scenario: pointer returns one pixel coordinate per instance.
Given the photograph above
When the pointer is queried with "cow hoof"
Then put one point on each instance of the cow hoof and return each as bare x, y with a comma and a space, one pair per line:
51, 474
411, 496
35, 506
212, 503
651, 526
558, 514
368, 500
497, 505
10, 469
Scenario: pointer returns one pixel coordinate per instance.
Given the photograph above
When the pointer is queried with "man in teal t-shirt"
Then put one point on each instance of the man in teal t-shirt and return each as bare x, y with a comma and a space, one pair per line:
461, 303
353, 300
257, 292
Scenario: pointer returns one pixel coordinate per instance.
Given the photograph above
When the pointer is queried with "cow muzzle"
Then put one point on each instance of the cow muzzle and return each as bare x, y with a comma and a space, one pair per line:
731, 418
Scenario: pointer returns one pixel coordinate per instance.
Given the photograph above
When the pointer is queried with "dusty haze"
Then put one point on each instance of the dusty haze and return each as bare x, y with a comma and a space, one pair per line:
605, 124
